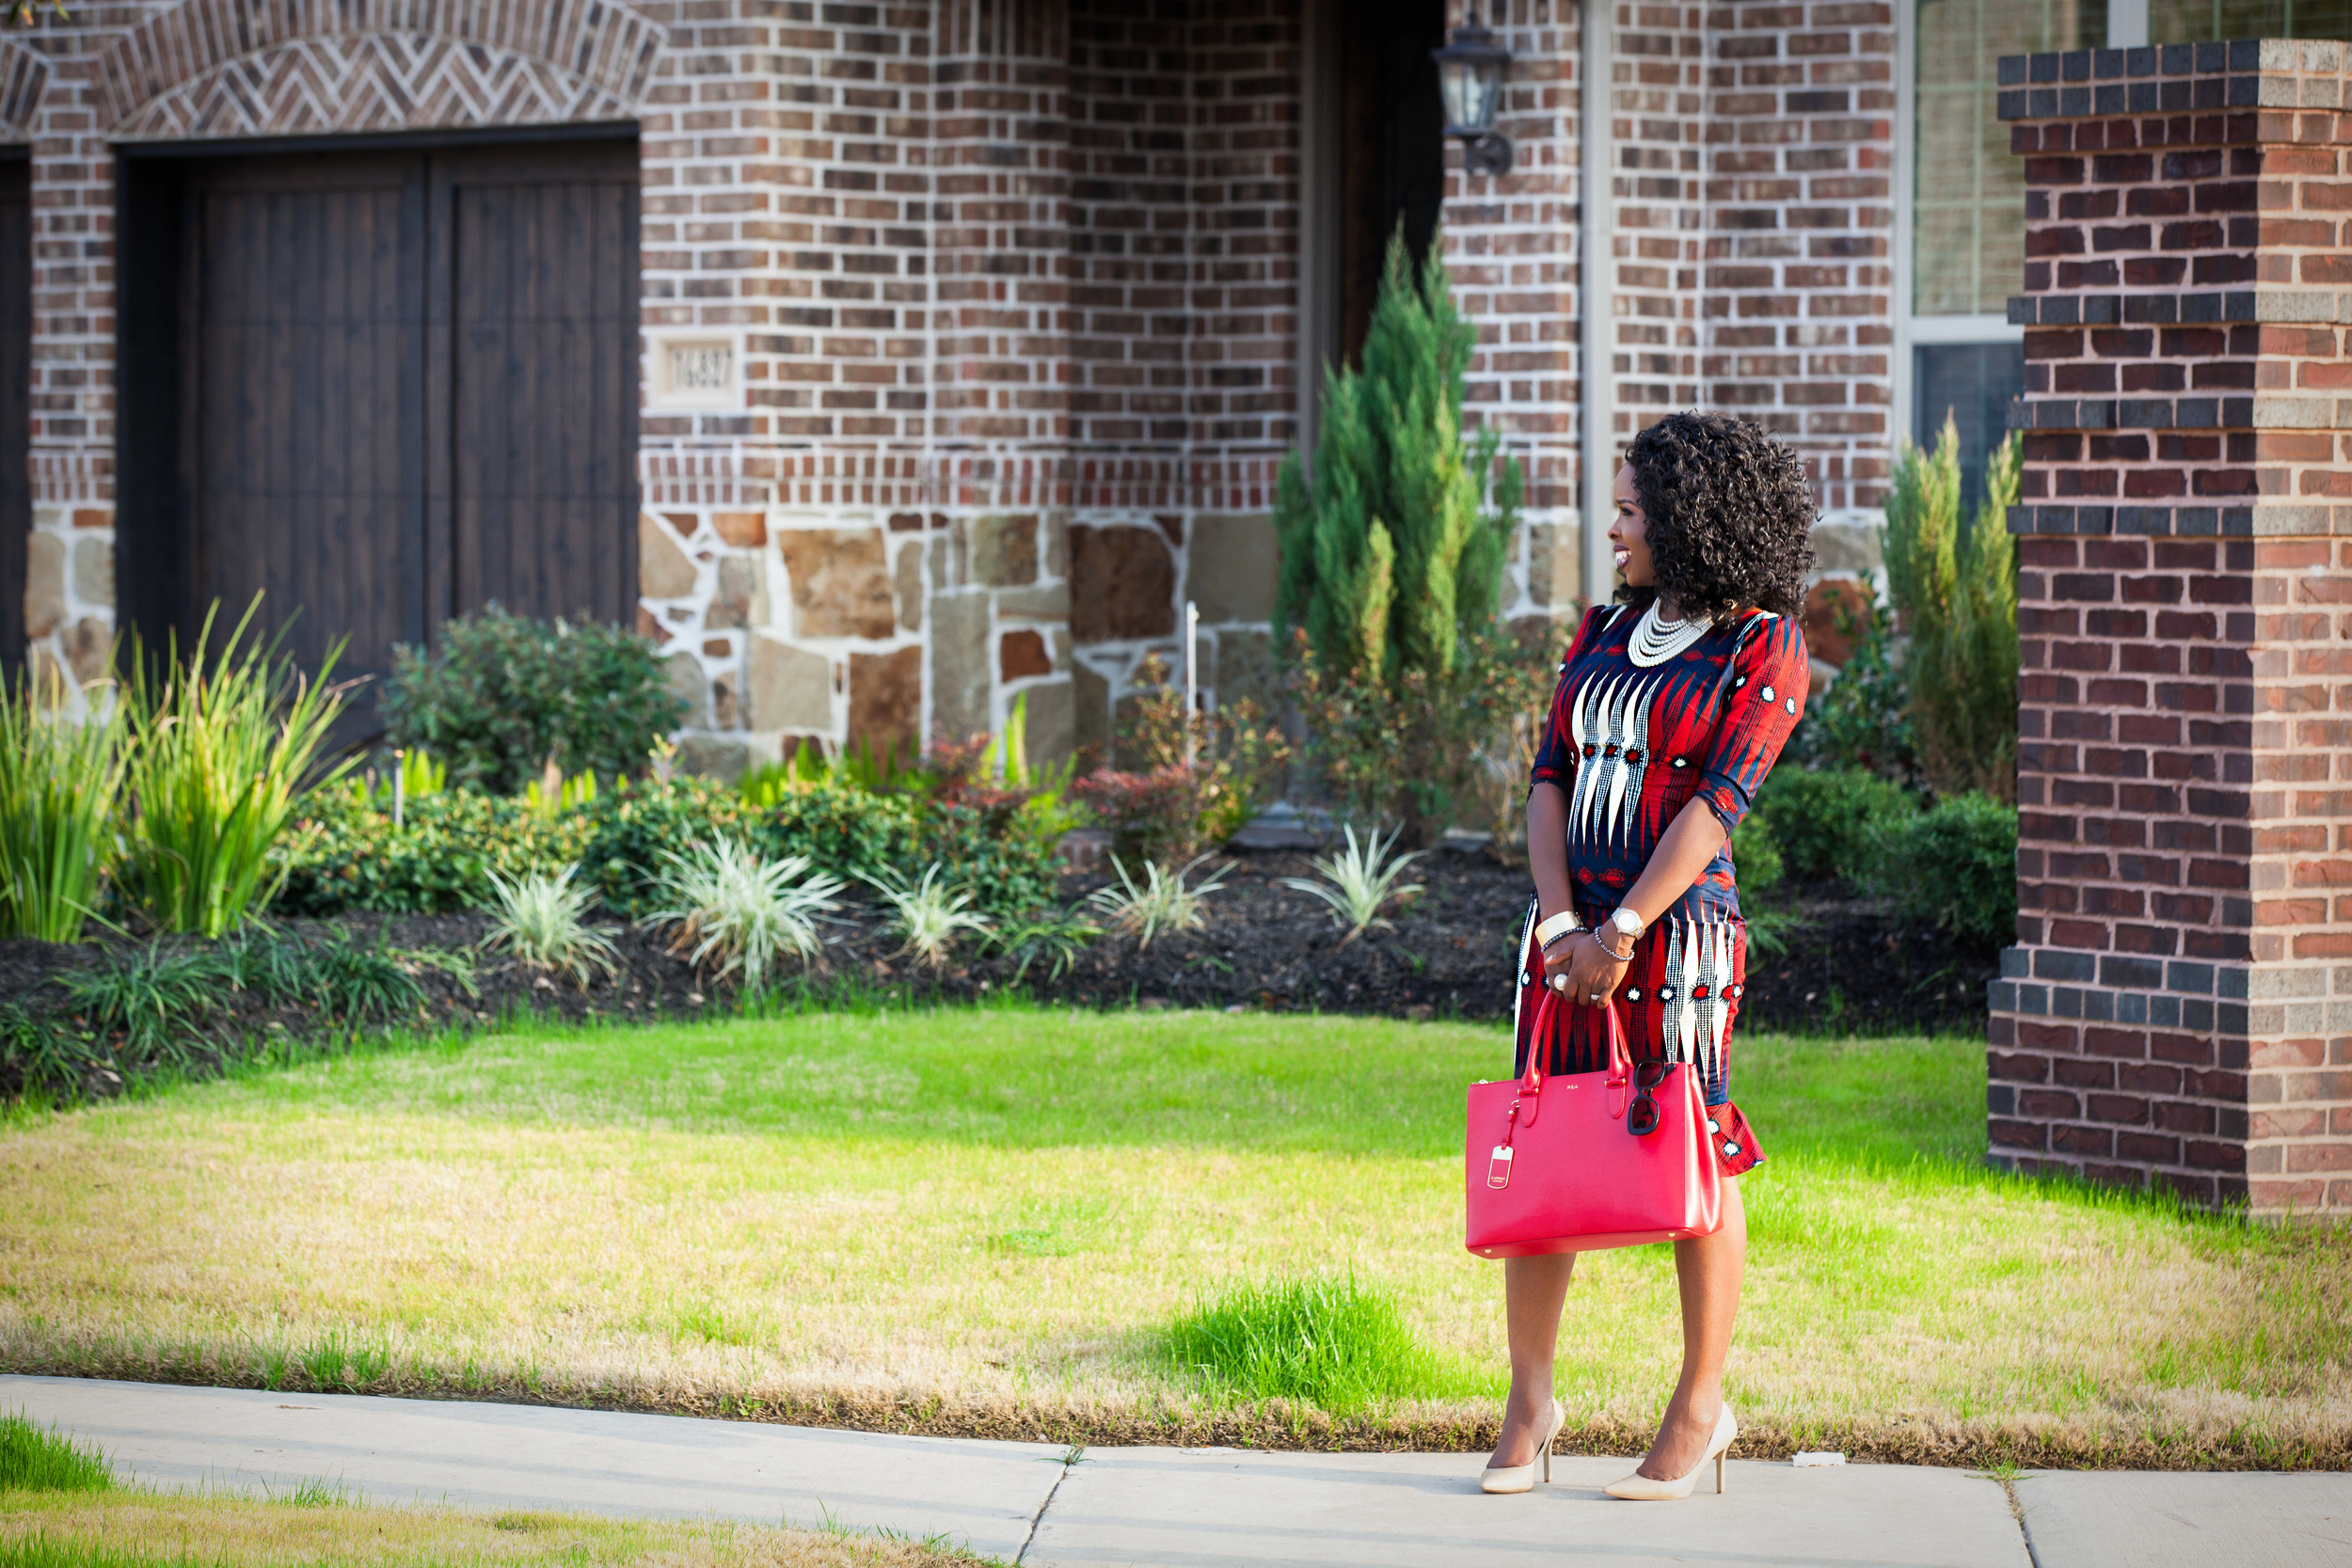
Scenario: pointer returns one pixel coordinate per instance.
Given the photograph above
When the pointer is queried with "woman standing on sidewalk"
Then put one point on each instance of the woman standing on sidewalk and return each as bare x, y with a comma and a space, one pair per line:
1672, 705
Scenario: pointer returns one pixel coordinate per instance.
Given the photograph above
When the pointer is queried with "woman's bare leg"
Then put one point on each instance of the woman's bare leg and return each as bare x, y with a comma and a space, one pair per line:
1708, 1270
1533, 1290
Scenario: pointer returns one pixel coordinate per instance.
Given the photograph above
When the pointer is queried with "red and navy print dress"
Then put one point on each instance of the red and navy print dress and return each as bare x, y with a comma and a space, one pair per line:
1630, 746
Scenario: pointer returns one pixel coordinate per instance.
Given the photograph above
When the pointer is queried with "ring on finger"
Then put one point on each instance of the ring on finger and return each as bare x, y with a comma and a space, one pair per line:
1559, 982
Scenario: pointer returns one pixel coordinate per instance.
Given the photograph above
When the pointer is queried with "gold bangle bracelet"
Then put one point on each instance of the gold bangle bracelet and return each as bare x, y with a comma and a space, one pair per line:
1549, 931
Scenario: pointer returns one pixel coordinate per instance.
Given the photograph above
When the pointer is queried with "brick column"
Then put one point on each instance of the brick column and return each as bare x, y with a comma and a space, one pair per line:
2174, 1012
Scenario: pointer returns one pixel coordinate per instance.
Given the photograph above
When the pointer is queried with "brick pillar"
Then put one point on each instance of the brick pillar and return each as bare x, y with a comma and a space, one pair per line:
2178, 1010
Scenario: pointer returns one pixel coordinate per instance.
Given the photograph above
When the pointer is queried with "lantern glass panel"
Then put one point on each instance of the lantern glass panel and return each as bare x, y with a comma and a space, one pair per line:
1456, 81
1485, 89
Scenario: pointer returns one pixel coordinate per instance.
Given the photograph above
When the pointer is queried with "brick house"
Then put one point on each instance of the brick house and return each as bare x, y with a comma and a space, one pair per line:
886, 363
892, 363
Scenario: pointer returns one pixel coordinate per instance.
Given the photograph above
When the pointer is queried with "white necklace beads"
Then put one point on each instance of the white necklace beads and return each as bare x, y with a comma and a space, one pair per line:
1656, 641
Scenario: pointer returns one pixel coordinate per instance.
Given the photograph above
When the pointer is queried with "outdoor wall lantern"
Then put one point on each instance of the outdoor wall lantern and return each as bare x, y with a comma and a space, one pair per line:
1469, 76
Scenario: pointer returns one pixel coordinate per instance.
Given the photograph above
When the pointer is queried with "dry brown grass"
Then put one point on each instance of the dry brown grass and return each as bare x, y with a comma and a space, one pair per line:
148, 1527
940, 1286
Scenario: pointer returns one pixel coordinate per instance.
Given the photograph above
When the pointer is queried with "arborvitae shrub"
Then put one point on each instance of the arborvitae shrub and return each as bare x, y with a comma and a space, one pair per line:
1392, 565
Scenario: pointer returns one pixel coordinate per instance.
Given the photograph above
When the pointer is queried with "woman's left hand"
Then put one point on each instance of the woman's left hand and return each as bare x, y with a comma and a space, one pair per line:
1593, 973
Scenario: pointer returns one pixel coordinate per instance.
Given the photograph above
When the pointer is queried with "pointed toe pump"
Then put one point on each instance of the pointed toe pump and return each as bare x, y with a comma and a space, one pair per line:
1521, 1478
1638, 1488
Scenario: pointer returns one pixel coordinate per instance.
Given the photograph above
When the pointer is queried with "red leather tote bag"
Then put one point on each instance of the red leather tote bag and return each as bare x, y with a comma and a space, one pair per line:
1549, 1164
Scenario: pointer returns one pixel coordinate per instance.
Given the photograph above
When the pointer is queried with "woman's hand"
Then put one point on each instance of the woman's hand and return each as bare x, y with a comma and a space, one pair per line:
1589, 967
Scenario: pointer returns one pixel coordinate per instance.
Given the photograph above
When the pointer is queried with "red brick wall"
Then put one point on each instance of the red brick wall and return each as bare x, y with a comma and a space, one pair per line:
1752, 195
2171, 1012
1801, 116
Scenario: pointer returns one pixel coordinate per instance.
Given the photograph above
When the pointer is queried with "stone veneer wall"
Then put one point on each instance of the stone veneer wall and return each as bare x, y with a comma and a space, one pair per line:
2178, 1010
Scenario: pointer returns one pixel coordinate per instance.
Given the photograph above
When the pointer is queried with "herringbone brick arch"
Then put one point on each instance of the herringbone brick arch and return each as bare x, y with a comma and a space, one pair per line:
22, 74
228, 68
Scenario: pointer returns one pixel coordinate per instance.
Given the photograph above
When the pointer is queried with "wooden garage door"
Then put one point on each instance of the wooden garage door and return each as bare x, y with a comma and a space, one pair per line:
16, 412
409, 389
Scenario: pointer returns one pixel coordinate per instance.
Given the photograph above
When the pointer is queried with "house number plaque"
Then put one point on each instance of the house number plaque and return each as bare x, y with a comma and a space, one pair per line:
695, 373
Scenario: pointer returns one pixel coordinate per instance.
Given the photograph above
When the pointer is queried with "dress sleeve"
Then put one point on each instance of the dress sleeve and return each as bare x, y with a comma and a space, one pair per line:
1556, 758
1763, 699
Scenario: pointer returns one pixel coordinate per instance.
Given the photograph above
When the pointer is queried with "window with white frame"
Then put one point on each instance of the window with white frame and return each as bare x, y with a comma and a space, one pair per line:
1966, 250
1968, 212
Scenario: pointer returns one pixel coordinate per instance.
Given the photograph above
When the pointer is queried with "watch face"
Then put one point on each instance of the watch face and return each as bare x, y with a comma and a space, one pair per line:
1628, 922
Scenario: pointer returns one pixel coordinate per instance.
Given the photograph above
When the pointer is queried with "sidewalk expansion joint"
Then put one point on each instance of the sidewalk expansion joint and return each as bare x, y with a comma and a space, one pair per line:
1070, 1460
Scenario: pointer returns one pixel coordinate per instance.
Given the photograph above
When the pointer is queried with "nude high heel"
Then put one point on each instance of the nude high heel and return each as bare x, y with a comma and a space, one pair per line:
1638, 1488
1521, 1478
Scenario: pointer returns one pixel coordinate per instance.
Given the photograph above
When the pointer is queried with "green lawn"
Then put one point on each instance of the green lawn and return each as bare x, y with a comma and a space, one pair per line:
985, 1221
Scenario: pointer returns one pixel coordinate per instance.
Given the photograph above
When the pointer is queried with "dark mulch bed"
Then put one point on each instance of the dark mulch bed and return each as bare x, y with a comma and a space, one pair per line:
1847, 964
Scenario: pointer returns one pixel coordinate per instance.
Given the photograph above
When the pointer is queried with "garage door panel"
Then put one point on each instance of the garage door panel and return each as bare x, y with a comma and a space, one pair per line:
16, 370
544, 299
309, 357
405, 386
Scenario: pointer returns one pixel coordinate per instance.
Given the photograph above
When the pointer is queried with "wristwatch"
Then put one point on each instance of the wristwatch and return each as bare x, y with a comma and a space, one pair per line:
1627, 921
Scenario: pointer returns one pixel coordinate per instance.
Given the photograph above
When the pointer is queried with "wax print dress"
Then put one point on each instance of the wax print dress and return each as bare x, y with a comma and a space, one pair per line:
1630, 743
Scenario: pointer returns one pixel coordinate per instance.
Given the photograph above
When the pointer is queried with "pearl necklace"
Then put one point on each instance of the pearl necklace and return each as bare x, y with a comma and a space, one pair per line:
1656, 641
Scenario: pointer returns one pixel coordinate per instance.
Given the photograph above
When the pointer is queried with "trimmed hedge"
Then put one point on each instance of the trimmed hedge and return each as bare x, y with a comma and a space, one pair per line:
500, 695
1830, 823
1956, 865
345, 854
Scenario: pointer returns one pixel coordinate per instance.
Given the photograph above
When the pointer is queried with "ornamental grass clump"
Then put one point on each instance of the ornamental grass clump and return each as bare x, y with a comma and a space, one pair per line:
220, 749
1358, 885
1161, 903
59, 782
39, 1458
1332, 1343
541, 921
155, 998
723, 902
929, 915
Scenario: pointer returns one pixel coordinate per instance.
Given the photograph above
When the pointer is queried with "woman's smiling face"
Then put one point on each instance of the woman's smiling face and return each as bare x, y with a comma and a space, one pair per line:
1629, 535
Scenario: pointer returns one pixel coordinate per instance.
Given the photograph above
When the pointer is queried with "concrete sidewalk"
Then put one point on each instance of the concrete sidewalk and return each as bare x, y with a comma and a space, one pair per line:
1175, 1508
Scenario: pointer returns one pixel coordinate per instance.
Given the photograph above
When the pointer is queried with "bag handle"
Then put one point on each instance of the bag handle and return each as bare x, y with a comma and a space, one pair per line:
1538, 1041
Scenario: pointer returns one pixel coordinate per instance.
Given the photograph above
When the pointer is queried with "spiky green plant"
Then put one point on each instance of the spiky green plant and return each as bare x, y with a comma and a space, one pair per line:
422, 773
1053, 936
1358, 885
723, 901
220, 748
60, 779
542, 921
929, 914
1160, 902
1954, 585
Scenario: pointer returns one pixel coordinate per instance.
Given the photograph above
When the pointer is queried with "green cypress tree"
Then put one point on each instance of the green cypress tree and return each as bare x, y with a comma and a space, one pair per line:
1392, 568
1390, 555
1954, 584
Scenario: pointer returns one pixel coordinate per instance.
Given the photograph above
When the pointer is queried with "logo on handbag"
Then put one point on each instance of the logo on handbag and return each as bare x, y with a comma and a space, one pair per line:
1498, 1166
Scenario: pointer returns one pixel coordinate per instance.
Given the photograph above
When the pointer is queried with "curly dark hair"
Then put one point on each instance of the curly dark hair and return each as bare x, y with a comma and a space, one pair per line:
1730, 516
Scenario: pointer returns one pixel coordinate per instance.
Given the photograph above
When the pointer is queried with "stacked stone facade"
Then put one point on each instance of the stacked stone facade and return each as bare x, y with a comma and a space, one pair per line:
2179, 1006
